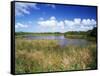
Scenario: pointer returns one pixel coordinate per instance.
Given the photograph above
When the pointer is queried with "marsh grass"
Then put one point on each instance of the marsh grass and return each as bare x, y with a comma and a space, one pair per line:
81, 37
46, 56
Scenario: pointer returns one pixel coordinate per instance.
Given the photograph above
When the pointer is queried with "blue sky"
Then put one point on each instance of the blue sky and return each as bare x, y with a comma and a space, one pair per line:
33, 17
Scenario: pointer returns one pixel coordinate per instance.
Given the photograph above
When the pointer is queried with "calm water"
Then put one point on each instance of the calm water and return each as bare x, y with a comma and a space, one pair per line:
62, 41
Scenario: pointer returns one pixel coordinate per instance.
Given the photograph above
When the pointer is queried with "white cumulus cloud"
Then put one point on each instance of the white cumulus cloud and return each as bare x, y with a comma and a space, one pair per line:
52, 22
48, 23
60, 24
88, 22
77, 24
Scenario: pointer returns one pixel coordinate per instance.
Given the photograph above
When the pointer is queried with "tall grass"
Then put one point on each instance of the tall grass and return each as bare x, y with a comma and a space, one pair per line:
46, 56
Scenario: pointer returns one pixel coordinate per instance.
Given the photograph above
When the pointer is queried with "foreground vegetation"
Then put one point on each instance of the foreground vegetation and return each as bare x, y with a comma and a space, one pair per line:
46, 56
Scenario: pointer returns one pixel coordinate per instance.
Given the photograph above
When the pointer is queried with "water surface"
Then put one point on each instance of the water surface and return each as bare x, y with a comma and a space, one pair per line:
62, 41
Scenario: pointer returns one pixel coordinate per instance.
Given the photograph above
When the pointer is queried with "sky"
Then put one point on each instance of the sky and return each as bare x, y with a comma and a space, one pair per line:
39, 17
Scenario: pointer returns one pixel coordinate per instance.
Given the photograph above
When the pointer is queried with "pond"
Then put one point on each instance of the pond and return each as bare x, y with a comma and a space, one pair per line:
62, 41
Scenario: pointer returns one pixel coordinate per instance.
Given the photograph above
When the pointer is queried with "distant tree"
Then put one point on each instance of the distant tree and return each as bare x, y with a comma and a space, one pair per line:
76, 33
92, 32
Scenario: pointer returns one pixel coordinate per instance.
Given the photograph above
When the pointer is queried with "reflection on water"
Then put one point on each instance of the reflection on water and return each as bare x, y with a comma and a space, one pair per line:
62, 41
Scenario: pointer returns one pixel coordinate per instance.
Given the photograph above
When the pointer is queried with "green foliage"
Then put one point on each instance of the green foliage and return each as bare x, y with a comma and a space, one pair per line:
37, 34
93, 32
90, 34
76, 33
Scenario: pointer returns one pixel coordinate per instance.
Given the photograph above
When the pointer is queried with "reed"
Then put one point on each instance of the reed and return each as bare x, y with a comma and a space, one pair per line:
47, 56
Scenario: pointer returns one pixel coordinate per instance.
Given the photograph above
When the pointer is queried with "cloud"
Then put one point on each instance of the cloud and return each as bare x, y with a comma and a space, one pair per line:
51, 5
77, 24
52, 18
88, 22
20, 25
41, 18
60, 24
52, 23
23, 8
77, 21
47, 23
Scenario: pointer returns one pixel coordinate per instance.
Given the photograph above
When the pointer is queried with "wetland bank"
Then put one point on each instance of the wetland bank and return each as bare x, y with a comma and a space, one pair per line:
54, 52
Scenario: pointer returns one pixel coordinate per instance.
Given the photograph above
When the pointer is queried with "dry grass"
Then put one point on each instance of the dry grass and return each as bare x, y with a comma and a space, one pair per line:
46, 55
